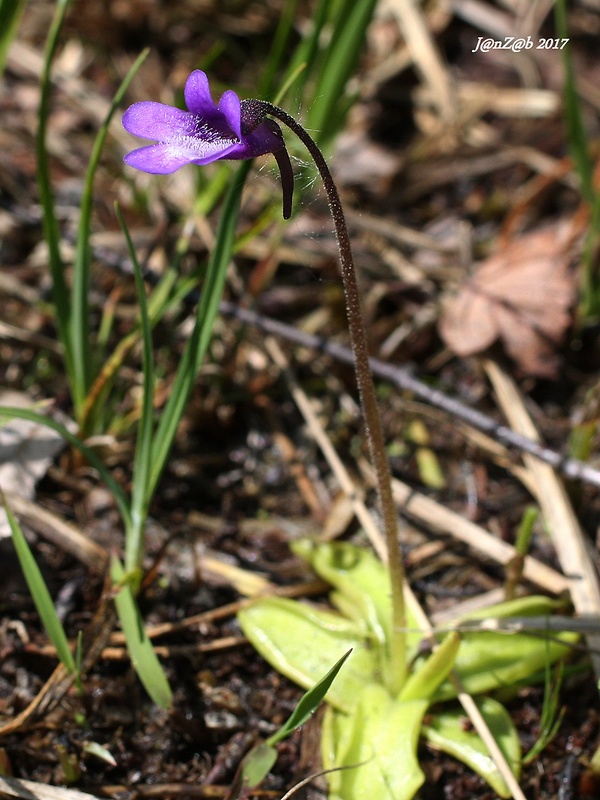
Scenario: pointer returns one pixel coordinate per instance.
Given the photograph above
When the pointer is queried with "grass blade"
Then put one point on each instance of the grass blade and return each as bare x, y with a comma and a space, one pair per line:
307, 51
258, 762
552, 715
79, 328
309, 701
575, 128
60, 292
144, 659
201, 335
10, 16
39, 592
330, 104
589, 306
280, 39
140, 497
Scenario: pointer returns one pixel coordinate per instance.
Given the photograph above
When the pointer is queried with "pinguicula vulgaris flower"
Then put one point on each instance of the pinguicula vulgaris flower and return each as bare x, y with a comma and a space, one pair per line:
204, 133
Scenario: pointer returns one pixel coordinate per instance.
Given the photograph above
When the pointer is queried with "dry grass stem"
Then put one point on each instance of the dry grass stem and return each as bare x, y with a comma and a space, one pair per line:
249, 584
449, 615
63, 534
440, 518
31, 790
309, 588
426, 56
484, 17
567, 537
334, 461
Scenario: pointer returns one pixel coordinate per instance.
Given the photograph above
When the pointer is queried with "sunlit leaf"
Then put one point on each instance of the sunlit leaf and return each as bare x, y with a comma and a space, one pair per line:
425, 679
361, 586
379, 738
302, 642
448, 730
489, 660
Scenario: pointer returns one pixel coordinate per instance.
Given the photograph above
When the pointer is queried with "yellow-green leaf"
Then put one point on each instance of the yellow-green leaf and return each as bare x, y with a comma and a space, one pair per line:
377, 746
303, 642
446, 731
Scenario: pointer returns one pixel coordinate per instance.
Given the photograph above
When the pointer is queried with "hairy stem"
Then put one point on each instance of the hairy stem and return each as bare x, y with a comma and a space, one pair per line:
366, 388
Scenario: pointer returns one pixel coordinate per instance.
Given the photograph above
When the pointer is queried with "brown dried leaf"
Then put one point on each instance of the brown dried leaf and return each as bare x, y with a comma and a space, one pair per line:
523, 296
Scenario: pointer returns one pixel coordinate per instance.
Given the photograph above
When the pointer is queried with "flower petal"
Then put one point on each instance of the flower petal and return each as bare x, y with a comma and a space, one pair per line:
224, 118
230, 107
166, 157
156, 121
197, 94
156, 159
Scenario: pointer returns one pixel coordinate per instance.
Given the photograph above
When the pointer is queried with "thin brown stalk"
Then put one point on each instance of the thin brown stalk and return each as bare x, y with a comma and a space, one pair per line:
366, 388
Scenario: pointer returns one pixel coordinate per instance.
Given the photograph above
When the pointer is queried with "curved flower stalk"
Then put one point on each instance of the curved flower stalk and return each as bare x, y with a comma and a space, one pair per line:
234, 129
376, 708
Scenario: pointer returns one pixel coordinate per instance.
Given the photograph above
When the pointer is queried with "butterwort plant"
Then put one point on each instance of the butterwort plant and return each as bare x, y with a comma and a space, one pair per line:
391, 698
377, 711
244, 129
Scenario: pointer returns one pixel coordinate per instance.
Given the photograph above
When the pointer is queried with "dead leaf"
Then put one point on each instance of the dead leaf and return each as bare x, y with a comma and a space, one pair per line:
522, 295
26, 451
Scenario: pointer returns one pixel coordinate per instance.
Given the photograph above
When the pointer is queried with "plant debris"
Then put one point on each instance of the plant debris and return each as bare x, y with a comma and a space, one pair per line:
523, 295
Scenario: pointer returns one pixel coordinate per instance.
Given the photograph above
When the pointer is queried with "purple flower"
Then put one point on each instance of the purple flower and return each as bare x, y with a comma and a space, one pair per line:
205, 133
